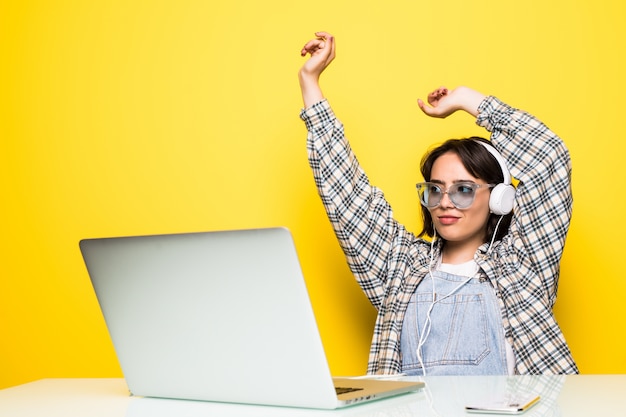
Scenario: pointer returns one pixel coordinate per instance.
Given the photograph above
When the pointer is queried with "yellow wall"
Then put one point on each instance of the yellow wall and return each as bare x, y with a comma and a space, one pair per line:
127, 117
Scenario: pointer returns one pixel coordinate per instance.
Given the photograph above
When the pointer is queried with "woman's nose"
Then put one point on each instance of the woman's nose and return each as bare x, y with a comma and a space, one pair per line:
445, 201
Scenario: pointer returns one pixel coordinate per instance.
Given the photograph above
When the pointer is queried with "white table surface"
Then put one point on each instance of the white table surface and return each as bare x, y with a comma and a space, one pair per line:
569, 396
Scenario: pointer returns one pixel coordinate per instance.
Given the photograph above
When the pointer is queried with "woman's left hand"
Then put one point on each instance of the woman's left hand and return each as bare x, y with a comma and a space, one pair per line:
443, 102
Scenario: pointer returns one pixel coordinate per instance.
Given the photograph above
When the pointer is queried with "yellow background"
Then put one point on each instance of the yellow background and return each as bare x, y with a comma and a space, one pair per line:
127, 117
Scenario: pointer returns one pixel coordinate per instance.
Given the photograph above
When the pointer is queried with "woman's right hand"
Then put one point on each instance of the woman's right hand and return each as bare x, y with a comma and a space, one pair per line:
322, 52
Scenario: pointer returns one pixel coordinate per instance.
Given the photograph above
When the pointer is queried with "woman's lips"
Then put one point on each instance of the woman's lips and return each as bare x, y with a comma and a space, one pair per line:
447, 220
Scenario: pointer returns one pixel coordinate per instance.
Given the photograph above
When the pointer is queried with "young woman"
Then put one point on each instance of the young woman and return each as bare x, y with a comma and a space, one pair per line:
477, 297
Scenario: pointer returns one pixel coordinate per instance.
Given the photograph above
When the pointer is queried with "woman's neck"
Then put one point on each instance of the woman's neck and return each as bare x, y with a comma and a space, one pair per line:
458, 253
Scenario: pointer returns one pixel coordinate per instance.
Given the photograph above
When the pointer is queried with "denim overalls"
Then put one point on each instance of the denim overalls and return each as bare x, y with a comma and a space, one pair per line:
466, 335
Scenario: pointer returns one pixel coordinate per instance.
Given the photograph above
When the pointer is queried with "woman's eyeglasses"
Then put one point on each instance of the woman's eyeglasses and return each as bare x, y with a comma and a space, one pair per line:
461, 194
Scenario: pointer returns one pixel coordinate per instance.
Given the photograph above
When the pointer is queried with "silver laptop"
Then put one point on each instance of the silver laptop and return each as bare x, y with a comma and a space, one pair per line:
218, 316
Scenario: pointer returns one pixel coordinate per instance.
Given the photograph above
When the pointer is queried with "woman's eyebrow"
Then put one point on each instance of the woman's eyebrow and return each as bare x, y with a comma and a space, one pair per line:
453, 182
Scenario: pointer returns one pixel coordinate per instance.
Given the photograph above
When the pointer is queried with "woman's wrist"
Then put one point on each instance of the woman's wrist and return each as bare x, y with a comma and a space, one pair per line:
470, 100
310, 88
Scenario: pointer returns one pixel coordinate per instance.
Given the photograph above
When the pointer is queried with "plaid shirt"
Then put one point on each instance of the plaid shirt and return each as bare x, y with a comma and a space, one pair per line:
389, 262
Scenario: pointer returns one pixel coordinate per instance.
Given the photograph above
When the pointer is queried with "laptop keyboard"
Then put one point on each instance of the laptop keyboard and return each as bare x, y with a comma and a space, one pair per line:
344, 390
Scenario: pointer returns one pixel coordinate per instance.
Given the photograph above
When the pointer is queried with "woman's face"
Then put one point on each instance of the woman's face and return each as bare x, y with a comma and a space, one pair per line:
461, 226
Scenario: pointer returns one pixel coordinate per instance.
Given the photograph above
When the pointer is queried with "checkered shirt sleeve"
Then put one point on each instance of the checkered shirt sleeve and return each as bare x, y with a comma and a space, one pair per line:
361, 217
525, 265
540, 161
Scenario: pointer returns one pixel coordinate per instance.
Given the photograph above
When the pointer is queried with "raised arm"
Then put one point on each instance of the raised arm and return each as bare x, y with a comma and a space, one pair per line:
361, 218
539, 159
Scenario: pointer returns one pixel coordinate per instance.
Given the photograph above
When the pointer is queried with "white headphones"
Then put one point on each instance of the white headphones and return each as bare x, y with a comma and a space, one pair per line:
502, 195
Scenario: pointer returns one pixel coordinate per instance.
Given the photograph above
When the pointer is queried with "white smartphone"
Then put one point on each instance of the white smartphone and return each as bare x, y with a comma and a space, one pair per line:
511, 405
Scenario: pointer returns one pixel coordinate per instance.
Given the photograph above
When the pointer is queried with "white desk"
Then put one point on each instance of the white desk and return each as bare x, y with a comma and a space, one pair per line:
567, 396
